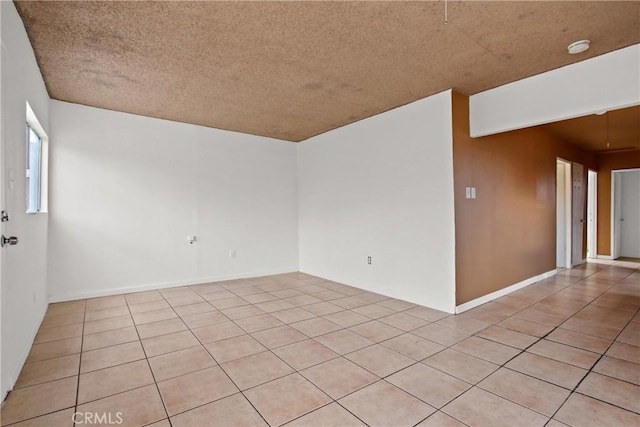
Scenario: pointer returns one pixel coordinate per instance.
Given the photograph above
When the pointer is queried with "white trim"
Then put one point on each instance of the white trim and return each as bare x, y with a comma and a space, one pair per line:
609, 257
70, 296
504, 291
26, 349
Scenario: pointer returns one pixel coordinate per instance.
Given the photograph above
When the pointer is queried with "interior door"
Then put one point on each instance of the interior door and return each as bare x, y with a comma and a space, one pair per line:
630, 214
577, 213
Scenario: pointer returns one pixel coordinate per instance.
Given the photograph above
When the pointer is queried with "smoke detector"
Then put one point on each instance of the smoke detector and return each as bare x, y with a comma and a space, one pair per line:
578, 47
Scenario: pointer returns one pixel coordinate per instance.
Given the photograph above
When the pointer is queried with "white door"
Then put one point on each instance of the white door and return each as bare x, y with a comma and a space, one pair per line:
577, 213
630, 214
617, 213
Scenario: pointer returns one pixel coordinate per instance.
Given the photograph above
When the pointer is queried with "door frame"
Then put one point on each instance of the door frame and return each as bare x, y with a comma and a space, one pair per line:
614, 210
592, 214
567, 201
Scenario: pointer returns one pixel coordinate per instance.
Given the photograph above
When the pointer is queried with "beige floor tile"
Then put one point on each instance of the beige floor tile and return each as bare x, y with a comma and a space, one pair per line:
67, 307
346, 318
330, 415
48, 370
54, 349
584, 411
315, 326
344, 341
204, 319
481, 408
441, 334
304, 354
576, 339
546, 369
488, 350
397, 304
109, 338
260, 297
144, 307
339, 377
177, 292
191, 309
105, 313
162, 423
58, 333
277, 337
62, 418
537, 395
292, 315
256, 369
373, 311
51, 321
590, 328
234, 410
619, 368
380, 360
234, 348
41, 399
301, 397
106, 382
154, 329
507, 337
526, 327
184, 300
189, 391
242, 312
328, 295
285, 293
426, 313
323, 308
464, 323
460, 365
258, 323
146, 296
428, 384
111, 356
171, 365
440, 419
372, 297
563, 353
624, 351
109, 324
382, 404
217, 332
232, 302
376, 331
403, 321
137, 407
611, 390
105, 302
167, 343
275, 305
216, 295
302, 300
412, 346
154, 316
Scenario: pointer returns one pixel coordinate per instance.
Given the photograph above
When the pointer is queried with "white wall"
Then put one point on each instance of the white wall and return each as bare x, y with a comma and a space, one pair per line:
605, 82
383, 187
24, 297
126, 191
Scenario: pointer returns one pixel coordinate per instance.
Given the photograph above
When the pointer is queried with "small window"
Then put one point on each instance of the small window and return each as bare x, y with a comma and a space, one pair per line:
36, 171
34, 168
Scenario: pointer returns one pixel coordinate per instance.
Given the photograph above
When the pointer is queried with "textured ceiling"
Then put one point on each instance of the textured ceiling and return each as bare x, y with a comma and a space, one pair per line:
291, 70
620, 128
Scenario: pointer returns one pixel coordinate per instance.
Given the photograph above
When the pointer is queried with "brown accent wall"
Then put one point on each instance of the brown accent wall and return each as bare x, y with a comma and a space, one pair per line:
508, 233
608, 162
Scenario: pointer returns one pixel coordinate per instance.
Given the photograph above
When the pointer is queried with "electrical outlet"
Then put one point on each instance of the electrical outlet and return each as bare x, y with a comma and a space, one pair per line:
368, 260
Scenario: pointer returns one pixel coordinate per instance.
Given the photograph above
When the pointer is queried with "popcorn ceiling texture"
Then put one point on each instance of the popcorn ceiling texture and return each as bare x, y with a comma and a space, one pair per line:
291, 70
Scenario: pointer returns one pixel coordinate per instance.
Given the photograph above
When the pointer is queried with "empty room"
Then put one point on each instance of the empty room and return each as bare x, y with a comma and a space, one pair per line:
327, 213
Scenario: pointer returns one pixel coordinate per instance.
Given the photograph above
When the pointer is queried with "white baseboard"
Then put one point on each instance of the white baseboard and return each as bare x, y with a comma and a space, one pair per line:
609, 257
76, 295
14, 371
504, 291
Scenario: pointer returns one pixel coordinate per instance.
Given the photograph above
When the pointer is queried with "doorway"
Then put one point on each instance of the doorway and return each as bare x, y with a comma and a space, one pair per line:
625, 216
563, 213
592, 212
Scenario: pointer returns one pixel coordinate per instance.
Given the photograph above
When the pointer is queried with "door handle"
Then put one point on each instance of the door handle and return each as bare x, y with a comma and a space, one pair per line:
11, 241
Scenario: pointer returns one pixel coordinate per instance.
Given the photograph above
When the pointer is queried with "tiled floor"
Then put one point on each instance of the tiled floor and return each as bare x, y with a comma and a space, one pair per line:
298, 350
